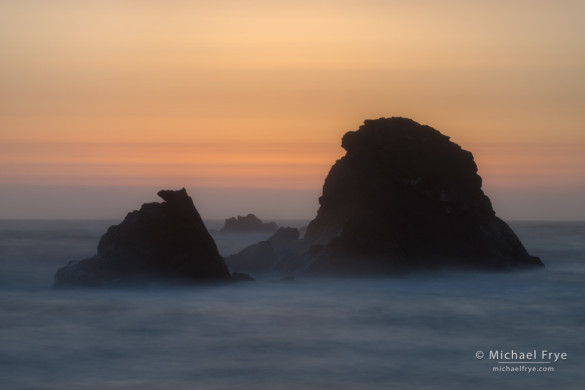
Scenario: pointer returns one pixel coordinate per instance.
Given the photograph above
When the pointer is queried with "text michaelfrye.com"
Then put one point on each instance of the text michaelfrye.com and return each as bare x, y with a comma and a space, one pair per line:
532, 361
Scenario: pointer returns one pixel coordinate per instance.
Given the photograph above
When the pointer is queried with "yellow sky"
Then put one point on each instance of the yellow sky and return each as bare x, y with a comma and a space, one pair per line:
257, 94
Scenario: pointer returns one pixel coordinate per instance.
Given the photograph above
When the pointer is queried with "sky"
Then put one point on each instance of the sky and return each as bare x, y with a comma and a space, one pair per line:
244, 103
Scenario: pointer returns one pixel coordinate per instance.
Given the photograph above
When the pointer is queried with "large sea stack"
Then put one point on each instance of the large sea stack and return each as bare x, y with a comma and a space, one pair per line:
404, 197
165, 242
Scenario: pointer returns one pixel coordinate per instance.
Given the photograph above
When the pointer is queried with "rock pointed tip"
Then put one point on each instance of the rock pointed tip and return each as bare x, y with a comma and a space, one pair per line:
170, 195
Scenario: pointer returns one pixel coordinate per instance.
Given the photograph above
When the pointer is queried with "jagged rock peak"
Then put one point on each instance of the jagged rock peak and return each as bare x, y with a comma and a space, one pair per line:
175, 196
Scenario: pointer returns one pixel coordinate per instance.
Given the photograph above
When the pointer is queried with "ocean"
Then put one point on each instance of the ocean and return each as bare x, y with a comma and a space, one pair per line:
425, 331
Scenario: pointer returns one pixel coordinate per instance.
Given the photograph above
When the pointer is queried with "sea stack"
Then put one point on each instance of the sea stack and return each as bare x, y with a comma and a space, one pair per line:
276, 254
404, 197
247, 224
165, 242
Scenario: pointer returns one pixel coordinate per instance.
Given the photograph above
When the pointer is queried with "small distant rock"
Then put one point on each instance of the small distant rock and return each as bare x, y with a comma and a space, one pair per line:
278, 253
165, 242
249, 223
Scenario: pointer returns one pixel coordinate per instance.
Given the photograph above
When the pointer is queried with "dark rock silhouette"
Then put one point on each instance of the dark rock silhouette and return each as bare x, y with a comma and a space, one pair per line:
165, 242
241, 277
405, 197
249, 223
278, 253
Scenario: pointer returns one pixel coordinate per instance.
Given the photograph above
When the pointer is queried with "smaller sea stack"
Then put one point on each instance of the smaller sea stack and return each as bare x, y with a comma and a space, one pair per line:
165, 242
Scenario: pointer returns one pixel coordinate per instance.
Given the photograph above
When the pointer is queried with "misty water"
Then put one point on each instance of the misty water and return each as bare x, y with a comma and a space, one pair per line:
412, 332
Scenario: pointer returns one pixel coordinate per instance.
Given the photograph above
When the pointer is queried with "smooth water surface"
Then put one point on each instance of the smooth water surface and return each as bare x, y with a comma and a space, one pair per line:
414, 332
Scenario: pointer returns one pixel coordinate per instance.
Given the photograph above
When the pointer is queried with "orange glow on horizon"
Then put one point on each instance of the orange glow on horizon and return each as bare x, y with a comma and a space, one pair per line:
245, 165
258, 94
